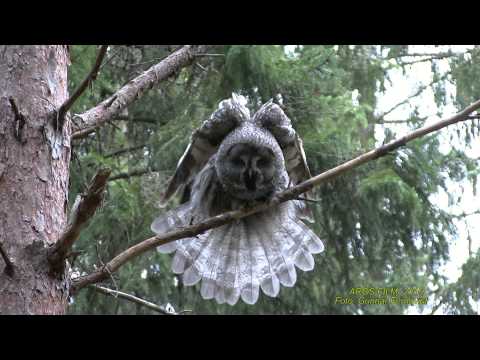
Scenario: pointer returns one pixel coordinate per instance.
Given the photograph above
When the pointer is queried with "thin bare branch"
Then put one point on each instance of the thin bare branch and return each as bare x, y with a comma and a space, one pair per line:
132, 298
133, 173
427, 58
82, 211
124, 151
314, 201
136, 119
210, 55
289, 194
80, 134
83, 86
464, 214
412, 62
433, 56
437, 306
110, 58
112, 106
201, 67
403, 121
99, 257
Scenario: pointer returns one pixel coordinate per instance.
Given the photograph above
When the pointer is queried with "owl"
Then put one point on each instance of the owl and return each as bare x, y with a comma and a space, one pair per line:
234, 161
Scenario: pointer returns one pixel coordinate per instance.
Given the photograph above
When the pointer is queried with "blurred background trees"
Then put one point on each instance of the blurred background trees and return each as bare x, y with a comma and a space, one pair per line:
381, 223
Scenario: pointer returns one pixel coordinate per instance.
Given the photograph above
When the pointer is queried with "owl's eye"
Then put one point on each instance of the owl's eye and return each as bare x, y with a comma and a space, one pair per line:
262, 162
237, 162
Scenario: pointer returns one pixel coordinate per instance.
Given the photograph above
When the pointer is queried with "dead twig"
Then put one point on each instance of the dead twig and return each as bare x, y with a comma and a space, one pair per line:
135, 299
83, 210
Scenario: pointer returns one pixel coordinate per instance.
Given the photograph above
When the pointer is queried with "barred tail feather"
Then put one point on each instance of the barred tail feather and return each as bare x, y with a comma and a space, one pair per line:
238, 259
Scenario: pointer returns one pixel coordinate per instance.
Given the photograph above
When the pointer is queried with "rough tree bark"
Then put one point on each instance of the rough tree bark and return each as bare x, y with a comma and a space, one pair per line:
34, 174
34, 169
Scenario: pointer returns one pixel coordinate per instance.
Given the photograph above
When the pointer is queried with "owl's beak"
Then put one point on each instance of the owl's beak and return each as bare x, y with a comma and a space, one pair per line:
250, 179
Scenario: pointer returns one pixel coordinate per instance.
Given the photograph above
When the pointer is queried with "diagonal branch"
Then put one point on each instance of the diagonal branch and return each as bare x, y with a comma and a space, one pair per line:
83, 86
80, 134
136, 119
412, 62
435, 55
465, 214
438, 305
133, 173
212, 55
125, 150
403, 121
289, 194
83, 210
112, 106
135, 299
428, 57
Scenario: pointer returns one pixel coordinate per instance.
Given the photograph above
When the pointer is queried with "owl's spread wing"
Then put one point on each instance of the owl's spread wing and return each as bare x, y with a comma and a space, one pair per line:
272, 117
205, 140
198, 151
296, 161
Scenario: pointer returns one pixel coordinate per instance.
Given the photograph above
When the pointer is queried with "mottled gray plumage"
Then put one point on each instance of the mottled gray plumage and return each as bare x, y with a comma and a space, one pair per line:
234, 159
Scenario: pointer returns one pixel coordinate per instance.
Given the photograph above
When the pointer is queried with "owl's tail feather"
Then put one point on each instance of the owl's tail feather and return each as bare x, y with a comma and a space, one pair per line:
238, 259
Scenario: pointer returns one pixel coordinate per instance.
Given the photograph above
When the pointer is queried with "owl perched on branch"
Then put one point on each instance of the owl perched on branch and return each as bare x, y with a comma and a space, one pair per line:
233, 161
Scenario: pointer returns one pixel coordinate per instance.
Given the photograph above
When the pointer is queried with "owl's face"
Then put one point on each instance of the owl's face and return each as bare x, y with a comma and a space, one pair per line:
248, 171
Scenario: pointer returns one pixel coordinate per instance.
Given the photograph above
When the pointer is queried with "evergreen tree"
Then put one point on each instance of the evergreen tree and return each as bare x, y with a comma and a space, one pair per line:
379, 224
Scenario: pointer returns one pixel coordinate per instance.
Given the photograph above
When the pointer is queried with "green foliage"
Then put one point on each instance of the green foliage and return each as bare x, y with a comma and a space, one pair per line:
464, 69
378, 222
463, 296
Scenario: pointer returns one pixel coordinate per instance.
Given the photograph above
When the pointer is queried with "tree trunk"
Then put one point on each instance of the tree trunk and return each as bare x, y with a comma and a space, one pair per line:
34, 174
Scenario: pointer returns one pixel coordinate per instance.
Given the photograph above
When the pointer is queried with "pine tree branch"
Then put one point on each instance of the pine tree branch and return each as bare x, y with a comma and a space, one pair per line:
210, 55
437, 306
125, 150
139, 119
403, 121
464, 214
431, 56
289, 194
412, 62
80, 134
83, 86
112, 106
132, 298
83, 210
